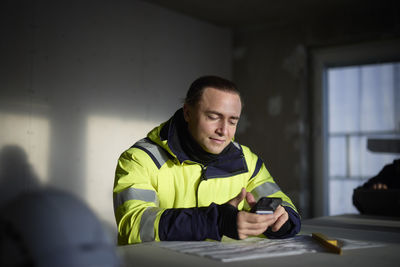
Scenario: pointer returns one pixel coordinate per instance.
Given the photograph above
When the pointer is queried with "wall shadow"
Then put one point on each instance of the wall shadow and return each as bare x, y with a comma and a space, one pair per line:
16, 174
45, 226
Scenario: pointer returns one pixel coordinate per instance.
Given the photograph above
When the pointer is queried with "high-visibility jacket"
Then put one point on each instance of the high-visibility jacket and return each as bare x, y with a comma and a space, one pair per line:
154, 182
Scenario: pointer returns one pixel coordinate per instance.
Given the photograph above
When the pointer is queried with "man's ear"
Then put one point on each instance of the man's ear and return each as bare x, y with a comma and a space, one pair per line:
186, 112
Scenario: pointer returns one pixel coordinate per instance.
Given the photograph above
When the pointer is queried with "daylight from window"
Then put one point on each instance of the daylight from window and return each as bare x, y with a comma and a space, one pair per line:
363, 102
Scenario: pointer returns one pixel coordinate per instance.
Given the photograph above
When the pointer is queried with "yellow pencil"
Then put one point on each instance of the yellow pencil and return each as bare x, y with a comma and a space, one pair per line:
331, 245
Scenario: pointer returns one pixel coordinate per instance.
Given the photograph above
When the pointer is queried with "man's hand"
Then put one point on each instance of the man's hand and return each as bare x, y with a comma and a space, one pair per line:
379, 186
251, 224
281, 216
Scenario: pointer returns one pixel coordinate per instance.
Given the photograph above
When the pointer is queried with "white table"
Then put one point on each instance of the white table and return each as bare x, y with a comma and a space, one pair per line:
356, 227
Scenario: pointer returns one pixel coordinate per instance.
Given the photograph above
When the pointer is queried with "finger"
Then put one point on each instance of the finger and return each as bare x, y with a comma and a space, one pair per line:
262, 226
252, 229
242, 235
247, 232
236, 200
252, 221
279, 222
250, 199
257, 218
381, 186
281, 217
279, 211
247, 228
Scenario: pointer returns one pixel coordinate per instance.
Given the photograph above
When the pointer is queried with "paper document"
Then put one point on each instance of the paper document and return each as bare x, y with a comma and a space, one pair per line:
256, 248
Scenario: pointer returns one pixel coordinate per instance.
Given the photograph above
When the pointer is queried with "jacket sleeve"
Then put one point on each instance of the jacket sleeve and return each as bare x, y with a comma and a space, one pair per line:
261, 184
136, 204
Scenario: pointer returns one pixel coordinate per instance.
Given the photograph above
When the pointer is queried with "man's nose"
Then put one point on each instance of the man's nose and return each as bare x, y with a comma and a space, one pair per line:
222, 129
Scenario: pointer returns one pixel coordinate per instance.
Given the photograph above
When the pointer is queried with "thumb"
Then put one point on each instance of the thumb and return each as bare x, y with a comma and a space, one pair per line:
250, 199
236, 200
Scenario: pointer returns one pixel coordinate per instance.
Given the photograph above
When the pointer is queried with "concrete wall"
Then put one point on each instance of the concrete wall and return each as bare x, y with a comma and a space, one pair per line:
81, 81
271, 65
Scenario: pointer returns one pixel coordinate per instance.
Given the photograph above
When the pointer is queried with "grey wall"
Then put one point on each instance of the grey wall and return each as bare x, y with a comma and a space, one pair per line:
81, 81
271, 65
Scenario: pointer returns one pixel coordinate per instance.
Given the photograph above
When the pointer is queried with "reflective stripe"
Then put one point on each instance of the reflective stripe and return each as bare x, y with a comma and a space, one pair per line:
264, 190
284, 203
147, 224
135, 194
158, 154
237, 146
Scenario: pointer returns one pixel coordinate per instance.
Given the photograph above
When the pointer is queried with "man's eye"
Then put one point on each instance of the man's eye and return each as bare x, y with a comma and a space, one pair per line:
212, 117
233, 123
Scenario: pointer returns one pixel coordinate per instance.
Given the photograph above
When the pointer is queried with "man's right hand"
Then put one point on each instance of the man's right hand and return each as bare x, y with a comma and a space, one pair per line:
251, 224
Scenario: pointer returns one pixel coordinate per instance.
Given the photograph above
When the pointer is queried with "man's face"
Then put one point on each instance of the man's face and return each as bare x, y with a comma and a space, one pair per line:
213, 120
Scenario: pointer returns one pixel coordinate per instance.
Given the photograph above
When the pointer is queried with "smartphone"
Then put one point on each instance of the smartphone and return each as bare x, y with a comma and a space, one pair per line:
266, 205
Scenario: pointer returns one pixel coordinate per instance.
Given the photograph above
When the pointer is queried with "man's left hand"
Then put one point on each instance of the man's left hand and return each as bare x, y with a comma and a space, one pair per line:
282, 216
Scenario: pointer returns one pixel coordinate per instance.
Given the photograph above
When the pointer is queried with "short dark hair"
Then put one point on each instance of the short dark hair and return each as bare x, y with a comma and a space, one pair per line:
196, 89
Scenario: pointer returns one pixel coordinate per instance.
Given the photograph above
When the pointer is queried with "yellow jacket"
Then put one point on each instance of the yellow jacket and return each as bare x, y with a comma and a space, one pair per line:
153, 177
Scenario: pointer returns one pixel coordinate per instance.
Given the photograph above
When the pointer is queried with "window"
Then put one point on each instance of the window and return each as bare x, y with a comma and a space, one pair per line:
355, 90
362, 103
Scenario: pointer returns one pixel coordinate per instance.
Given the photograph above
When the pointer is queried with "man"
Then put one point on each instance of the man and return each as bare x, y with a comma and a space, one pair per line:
187, 179
380, 195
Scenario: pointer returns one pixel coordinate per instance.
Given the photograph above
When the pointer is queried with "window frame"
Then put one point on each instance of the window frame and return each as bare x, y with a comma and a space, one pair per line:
322, 58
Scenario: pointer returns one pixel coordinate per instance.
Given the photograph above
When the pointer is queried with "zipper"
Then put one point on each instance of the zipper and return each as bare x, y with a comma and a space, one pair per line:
202, 178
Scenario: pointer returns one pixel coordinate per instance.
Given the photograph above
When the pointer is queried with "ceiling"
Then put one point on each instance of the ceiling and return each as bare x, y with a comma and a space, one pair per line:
239, 13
